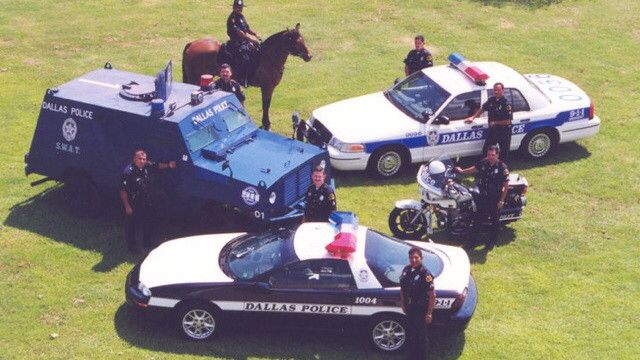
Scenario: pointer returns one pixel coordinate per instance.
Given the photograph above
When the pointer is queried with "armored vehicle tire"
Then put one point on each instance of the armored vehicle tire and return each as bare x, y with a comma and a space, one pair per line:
538, 144
197, 321
81, 195
388, 162
400, 226
388, 333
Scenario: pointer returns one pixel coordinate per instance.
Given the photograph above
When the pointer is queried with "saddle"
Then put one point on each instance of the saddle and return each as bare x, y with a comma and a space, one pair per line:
242, 57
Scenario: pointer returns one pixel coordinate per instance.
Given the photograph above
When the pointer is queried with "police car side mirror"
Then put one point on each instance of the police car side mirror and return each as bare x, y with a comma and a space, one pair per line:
396, 81
426, 115
442, 120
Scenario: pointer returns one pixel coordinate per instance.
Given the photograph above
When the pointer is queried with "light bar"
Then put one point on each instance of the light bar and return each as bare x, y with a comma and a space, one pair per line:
473, 72
344, 243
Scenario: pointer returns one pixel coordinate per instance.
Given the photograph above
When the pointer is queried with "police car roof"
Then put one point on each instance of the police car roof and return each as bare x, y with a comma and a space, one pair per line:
102, 87
456, 82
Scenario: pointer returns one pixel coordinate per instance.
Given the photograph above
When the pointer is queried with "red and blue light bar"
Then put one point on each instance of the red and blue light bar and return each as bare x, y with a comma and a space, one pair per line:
344, 243
473, 72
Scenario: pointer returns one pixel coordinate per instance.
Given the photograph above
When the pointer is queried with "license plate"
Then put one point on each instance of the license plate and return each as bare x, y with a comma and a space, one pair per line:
444, 303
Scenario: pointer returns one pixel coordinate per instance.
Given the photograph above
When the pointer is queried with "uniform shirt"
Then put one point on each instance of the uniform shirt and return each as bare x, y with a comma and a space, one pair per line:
491, 177
417, 60
498, 109
231, 86
235, 23
415, 285
136, 183
320, 203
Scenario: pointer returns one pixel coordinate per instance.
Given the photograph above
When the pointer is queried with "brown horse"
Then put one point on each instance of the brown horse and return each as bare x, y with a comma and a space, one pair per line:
201, 57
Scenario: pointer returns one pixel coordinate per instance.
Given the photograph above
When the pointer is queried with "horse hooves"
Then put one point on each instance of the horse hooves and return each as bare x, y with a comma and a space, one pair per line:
266, 127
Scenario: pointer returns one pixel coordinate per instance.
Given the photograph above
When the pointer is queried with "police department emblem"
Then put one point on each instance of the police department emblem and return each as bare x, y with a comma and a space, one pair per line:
250, 195
432, 138
69, 129
363, 275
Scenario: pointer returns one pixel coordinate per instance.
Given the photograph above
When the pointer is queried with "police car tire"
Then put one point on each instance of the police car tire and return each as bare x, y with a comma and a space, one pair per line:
81, 195
198, 321
378, 326
381, 164
538, 144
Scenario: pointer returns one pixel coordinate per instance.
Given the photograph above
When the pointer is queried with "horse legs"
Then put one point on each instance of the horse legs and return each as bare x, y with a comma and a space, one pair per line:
267, 92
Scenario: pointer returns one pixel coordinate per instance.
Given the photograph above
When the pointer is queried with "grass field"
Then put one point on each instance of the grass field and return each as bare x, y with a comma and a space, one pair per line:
562, 283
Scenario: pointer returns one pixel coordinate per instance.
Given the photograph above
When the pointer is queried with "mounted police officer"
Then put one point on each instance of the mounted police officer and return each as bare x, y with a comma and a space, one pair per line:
243, 39
418, 58
135, 194
500, 117
492, 178
320, 199
417, 297
226, 83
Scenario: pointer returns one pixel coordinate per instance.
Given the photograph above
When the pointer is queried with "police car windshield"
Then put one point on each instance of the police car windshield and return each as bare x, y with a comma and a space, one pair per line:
417, 94
255, 255
387, 257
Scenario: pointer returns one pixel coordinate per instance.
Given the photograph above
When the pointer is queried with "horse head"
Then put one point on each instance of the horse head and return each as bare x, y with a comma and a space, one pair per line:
296, 45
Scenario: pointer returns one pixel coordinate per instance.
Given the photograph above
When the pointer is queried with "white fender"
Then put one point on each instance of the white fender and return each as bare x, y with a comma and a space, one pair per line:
409, 204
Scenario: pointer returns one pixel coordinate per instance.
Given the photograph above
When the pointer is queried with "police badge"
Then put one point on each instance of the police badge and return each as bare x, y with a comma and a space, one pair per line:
432, 138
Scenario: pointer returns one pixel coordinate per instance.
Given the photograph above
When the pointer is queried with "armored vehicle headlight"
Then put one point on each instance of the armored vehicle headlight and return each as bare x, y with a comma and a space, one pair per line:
144, 290
272, 198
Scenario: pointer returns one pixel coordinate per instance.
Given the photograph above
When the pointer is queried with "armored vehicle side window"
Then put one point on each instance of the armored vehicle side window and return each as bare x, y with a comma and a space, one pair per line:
387, 257
462, 106
314, 274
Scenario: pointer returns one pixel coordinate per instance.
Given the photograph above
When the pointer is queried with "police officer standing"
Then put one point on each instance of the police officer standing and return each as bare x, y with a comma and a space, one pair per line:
320, 199
492, 178
242, 37
500, 117
135, 194
418, 298
226, 83
418, 58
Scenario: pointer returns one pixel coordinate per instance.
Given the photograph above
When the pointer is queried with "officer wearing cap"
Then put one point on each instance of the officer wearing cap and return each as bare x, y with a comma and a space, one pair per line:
135, 194
500, 117
226, 83
243, 38
417, 297
418, 58
320, 198
492, 178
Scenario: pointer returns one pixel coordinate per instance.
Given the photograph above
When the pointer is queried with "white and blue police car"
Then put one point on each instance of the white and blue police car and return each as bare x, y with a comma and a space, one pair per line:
335, 273
422, 117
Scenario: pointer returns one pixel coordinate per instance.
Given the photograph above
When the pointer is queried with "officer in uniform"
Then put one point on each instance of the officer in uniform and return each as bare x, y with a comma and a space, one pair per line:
500, 117
243, 39
135, 195
492, 178
320, 199
417, 297
418, 58
226, 83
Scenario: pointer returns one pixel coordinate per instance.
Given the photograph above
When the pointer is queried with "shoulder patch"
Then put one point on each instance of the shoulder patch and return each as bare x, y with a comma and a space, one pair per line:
429, 278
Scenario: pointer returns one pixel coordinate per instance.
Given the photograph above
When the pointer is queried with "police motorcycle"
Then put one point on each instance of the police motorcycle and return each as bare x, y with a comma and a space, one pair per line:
448, 205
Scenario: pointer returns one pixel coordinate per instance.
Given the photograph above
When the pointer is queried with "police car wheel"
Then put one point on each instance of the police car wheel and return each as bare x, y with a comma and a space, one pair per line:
388, 333
403, 226
538, 144
388, 162
198, 321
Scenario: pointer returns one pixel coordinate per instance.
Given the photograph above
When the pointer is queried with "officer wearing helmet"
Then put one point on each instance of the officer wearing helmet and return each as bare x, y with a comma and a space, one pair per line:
243, 39
492, 178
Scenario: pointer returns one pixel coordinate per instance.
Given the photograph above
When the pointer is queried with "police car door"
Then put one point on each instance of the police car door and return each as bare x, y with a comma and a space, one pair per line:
455, 137
521, 114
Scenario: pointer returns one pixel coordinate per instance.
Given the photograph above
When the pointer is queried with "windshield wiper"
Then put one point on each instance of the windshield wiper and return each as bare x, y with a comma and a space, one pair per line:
237, 109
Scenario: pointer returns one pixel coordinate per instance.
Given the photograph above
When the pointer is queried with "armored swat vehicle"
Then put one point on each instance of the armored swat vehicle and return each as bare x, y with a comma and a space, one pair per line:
89, 127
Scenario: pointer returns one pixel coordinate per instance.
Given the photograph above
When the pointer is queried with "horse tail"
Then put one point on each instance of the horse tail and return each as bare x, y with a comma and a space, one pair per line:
185, 75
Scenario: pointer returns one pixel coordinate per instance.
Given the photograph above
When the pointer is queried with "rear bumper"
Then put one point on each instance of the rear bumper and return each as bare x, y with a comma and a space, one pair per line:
585, 130
459, 320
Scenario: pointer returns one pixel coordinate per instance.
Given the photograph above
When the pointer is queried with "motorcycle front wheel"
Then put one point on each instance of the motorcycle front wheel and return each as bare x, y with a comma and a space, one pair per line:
407, 224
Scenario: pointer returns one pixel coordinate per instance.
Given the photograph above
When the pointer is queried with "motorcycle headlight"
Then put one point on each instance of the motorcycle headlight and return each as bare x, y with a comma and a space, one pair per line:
346, 147
144, 290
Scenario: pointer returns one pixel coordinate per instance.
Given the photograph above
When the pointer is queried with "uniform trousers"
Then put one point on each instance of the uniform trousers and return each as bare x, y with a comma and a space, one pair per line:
139, 223
417, 332
501, 136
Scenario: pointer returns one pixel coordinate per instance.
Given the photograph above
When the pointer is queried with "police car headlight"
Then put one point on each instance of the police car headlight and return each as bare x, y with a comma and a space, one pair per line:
346, 147
144, 290
272, 198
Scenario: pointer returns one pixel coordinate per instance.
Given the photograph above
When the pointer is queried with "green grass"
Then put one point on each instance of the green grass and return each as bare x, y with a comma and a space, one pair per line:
563, 283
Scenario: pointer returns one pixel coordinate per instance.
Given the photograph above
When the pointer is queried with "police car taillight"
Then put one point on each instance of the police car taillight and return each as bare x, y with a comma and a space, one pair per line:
473, 72
459, 300
592, 111
344, 243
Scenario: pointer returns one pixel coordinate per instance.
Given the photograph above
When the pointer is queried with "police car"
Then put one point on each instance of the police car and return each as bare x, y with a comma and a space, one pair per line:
422, 117
320, 272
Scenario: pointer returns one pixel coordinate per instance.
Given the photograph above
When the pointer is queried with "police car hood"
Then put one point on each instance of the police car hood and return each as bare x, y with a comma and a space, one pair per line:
456, 266
187, 260
365, 118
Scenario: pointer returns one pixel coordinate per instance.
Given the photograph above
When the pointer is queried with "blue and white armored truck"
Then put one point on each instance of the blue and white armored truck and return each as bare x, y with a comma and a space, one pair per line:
89, 127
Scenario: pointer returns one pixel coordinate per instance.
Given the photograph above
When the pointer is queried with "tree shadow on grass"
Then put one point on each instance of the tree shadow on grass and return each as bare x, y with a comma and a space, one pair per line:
533, 4
244, 340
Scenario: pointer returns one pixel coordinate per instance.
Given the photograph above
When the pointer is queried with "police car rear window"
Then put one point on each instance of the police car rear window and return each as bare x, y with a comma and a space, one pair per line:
387, 257
254, 255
